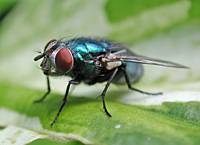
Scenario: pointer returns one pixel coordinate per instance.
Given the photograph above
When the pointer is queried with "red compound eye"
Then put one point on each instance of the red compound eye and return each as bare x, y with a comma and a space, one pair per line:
64, 60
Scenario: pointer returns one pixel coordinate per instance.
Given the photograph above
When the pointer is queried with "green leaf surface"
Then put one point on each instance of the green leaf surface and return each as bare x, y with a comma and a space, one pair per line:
5, 5
122, 9
83, 119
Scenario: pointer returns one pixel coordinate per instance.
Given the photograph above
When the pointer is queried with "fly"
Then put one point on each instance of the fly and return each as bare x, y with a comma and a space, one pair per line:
94, 61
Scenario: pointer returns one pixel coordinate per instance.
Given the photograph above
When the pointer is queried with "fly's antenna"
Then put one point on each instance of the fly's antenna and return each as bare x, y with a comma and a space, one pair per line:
39, 56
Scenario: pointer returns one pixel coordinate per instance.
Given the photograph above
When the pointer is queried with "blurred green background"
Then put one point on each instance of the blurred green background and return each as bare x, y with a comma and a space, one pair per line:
167, 29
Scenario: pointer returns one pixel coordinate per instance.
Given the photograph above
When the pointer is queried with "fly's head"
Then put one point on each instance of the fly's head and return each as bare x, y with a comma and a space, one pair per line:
57, 59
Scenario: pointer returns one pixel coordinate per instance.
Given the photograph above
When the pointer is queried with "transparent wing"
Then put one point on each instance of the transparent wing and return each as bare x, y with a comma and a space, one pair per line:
143, 60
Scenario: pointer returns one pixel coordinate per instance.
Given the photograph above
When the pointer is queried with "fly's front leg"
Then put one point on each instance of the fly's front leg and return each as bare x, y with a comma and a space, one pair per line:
130, 87
48, 91
105, 89
75, 82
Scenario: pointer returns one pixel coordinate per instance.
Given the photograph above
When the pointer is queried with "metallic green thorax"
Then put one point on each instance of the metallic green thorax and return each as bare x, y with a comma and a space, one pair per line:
83, 54
85, 50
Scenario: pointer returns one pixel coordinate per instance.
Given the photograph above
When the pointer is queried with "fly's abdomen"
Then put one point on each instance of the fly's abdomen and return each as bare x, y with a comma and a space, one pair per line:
134, 72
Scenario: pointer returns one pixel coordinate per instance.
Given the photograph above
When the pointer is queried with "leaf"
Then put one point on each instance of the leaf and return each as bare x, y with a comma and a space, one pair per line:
17, 135
134, 20
84, 120
5, 6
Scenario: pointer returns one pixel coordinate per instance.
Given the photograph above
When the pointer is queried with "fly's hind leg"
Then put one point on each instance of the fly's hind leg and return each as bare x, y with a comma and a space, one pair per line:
134, 89
48, 91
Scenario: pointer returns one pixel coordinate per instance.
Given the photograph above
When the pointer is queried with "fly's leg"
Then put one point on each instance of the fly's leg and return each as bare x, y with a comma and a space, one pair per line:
65, 98
130, 87
105, 89
48, 91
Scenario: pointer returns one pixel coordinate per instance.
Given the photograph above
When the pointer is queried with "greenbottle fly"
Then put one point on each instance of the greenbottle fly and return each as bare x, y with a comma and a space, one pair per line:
93, 61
